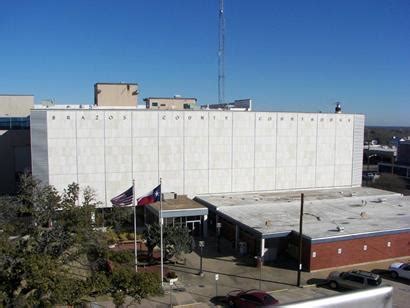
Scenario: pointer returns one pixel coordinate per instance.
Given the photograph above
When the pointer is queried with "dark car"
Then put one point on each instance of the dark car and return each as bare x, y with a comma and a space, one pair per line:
250, 298
355, 279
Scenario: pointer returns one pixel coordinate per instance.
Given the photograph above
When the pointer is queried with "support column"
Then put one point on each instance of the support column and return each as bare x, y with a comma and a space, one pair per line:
237, 230
205, 225
216, 222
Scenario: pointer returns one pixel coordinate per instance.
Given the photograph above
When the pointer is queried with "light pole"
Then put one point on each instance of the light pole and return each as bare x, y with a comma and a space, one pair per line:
300, 238
218, 233
259, 263
368, 167
201, 247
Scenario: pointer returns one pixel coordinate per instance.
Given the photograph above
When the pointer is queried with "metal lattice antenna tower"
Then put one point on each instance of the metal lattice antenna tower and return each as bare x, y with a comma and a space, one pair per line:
221, 54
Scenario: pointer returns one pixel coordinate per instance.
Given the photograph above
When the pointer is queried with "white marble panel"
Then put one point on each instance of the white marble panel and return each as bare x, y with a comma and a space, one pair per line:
343, 175
344, 150
325, 176
118, 155
145, 123
171, 153
220, 180
344, 125
265, 151
195, 123
145, 154
243, 124
220, 155
196, 152
286, 151
172, 181
243, 151
196, 182
117, 124
90, 124
305, 177
265, 178
285, 177
61, 124
265, 124
287, 124
62, 156
220, 123
90, 157
242, 179
171, 123
145, 181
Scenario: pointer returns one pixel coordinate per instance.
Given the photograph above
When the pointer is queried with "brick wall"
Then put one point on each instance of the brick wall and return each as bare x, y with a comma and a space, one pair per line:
361, 250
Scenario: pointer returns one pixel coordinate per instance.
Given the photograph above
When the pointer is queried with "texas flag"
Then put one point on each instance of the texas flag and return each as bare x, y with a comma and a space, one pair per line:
151, 197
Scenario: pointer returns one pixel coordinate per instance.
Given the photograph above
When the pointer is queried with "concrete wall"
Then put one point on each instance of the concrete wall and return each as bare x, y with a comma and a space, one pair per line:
16, 105
194, 151
116, 94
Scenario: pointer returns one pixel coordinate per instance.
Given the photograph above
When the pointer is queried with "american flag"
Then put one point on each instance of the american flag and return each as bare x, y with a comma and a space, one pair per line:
124, 199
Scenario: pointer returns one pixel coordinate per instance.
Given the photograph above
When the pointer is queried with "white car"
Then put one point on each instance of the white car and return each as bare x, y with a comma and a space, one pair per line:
399, 269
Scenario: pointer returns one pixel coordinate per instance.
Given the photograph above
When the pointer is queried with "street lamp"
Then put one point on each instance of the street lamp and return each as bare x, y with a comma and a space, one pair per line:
218, 232
201, 247
368, 167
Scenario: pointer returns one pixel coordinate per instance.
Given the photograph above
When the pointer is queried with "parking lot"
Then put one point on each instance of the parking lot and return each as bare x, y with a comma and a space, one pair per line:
193, 290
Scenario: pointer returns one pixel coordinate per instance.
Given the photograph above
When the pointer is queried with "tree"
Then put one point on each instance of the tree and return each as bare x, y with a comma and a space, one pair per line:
42, 233
152, 237
177, 239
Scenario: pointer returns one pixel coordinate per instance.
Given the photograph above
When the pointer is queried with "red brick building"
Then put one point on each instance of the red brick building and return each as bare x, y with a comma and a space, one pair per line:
340, 227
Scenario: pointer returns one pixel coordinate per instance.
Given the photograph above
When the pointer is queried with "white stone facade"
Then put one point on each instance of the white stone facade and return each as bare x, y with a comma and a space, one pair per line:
195, 152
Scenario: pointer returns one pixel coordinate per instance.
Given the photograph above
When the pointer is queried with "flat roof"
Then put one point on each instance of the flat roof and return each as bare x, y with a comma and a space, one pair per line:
182, 206
62, 107
360, 212
181, 98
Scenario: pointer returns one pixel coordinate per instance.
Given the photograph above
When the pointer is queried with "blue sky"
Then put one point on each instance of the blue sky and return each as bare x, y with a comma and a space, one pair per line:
285, 55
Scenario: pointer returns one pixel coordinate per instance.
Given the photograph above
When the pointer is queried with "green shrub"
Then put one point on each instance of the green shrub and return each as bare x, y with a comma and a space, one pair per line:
123, 236
122, 257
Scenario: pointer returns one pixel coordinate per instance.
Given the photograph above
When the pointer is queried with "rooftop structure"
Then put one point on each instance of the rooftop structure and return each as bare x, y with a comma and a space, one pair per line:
116, 94
170, 103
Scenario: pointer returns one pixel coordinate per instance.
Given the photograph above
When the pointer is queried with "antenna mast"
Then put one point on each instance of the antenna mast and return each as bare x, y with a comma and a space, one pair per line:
221, 54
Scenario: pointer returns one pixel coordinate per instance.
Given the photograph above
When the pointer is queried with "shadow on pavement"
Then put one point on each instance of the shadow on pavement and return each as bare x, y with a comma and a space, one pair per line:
319, 282
386, 275
220, 301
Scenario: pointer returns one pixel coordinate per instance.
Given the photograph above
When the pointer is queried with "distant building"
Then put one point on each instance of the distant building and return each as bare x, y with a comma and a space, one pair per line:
239, 104
170, 103
14, 139
403, 153
116, 94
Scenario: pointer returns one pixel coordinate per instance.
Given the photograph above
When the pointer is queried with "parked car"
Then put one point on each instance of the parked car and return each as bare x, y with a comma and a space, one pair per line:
355, 279
250, 298
399, 269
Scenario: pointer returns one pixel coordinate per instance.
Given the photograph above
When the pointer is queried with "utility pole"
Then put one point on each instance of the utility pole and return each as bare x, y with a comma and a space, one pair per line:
221, 54
300, 238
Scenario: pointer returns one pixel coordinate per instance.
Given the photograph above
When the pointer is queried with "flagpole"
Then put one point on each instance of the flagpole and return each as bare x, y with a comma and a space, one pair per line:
135, 227
161, 222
